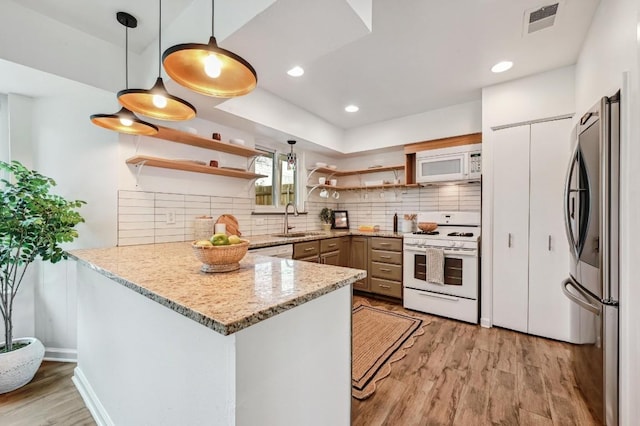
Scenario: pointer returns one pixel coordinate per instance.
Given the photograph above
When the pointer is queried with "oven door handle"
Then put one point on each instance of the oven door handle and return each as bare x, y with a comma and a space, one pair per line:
440, 296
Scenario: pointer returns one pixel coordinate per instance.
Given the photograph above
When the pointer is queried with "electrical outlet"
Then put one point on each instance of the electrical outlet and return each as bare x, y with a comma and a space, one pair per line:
170, 218
260, 221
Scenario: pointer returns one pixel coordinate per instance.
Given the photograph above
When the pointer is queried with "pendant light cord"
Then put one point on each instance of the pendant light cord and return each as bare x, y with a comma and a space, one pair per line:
213, 8
159, 37
126, 57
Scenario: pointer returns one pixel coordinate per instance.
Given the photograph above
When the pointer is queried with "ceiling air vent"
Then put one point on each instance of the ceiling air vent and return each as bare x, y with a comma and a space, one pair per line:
541, 18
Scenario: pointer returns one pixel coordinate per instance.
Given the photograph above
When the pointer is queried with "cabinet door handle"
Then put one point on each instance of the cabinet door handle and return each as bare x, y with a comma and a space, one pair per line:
385, 244
384, 286
509, 240
309, 249
385, 257
332, 245
385, 270
549, 242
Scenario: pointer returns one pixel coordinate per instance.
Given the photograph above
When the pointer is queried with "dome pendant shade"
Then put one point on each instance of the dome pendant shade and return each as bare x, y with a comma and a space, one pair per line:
124, 121
157, 103
194, 66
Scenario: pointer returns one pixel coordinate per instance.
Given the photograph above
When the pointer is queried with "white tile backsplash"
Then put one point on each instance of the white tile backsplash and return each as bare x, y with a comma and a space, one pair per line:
142, 214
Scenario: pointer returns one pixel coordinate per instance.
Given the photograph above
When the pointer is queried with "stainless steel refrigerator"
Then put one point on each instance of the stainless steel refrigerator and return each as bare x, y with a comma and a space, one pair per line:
591, 216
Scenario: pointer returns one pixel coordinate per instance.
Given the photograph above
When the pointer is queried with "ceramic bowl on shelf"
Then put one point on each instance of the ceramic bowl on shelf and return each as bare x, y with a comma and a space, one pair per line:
332, 166
321, 164
236, 141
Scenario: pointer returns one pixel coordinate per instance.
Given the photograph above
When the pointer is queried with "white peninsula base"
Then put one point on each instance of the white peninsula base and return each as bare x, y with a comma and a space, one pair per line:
140, 363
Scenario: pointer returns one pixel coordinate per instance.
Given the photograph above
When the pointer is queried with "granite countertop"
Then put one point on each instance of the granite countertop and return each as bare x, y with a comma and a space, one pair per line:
228, 302
259, 241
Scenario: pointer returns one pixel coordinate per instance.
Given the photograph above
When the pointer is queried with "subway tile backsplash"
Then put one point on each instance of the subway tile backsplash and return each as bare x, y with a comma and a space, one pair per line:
143, 216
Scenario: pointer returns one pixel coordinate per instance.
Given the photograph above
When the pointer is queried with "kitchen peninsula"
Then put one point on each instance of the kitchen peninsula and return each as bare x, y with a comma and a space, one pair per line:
160, 342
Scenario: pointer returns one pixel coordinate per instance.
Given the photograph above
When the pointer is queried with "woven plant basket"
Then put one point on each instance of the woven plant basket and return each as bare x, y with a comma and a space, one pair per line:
221, 258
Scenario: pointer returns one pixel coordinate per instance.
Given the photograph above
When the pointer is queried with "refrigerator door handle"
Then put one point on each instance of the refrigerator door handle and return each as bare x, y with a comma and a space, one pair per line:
569, 208
584, 301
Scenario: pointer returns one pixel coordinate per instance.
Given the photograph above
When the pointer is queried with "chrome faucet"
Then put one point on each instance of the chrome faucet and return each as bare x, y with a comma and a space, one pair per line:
286, 216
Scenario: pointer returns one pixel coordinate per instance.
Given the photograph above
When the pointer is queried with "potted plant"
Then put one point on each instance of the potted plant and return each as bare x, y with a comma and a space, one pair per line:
33, 224
326, 216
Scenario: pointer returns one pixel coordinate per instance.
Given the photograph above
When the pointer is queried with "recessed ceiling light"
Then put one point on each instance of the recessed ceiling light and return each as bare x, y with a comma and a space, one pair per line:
502, 66
351, 108
296, 71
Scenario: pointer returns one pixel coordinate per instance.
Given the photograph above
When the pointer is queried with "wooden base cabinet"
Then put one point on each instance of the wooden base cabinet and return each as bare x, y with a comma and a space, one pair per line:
385, 267
360, 260
530, 250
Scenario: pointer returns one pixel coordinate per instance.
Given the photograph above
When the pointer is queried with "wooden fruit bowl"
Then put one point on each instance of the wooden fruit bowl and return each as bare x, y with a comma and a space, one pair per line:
221, 258
427, 226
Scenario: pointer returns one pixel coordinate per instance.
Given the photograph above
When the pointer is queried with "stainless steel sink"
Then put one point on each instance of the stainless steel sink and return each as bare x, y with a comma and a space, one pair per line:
297, 234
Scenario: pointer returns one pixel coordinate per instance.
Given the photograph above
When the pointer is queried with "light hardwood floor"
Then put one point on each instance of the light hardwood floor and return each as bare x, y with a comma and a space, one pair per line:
456, 374
461, 374
49, 399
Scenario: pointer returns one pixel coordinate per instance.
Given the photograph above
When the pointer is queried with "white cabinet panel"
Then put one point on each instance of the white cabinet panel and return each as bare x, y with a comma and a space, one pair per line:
530, 249
549, 309
511, 227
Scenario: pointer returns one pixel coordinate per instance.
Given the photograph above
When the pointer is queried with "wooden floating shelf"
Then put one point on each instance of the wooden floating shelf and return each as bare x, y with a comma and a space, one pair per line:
357, 172
179, 136
164, 163
347, 188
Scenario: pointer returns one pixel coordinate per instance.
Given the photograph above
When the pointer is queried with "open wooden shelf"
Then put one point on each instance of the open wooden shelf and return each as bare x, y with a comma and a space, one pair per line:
179, 136
164, 163
357, 172
346, 188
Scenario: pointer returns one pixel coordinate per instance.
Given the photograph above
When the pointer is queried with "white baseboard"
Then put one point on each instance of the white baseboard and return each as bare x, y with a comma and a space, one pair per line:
61, 355
90, 399
485, 322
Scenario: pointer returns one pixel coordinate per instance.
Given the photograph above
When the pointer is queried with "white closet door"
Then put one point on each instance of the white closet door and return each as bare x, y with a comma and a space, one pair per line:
510, 227
549, 309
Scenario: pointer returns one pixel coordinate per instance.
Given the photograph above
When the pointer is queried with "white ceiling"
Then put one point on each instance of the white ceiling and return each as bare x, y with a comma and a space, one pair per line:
419, 55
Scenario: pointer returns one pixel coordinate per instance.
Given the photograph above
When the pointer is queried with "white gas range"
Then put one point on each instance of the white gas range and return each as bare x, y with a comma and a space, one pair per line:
458, 237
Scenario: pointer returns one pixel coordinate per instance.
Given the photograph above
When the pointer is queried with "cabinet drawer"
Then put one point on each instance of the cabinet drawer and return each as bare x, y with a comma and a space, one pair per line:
391, 244
386, 271
386, 287
306, 249
386, 257
330, 244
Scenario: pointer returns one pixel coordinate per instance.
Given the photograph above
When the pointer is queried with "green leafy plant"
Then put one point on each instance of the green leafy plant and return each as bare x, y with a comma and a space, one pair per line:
326, 215
33, 223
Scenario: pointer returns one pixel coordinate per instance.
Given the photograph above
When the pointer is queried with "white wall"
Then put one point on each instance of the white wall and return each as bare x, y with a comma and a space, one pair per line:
454, 120
81, 158
5, 154
544, 95
610, 48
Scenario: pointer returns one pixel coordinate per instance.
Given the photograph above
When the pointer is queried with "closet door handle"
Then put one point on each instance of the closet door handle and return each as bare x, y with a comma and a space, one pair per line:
549, 242
509, 240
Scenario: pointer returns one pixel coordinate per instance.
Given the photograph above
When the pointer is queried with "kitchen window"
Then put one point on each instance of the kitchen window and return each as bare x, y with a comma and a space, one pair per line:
279, 187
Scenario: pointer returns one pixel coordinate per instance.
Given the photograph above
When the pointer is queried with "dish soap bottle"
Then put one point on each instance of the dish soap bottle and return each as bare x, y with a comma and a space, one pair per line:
395, 222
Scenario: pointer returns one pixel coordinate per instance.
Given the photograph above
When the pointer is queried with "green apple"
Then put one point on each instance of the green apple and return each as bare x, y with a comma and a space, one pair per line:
220, 240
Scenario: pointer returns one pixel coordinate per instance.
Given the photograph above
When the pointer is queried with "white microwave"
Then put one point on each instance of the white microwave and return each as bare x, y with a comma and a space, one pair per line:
458, 163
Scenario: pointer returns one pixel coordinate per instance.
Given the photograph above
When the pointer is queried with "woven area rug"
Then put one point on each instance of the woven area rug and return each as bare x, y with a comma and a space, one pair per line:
380, 338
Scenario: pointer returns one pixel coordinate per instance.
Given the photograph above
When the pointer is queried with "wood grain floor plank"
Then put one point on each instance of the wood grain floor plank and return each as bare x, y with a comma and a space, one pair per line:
531, 390
472, 409
528, 418
503, 400
505, 348
445, 397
